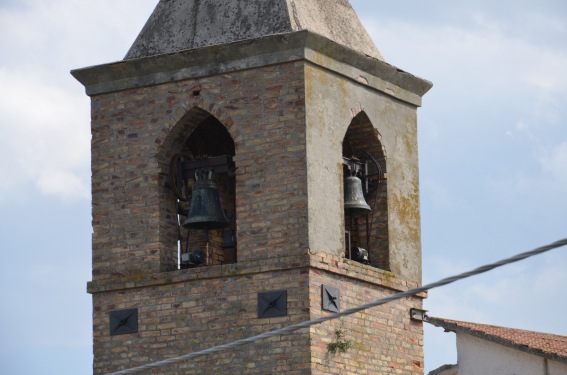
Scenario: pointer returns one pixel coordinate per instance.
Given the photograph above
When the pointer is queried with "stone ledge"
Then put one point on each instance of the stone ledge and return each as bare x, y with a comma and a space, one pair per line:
145, 278
352, 269
322, 261
249, 54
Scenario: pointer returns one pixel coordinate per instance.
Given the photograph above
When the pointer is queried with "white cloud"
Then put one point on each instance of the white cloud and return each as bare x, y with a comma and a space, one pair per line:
482, 63
554, 163
43, 139
44, 113
489, 80
58, 33
62, 183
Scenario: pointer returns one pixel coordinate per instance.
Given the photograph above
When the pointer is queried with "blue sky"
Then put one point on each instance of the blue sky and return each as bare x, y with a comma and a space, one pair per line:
493, 162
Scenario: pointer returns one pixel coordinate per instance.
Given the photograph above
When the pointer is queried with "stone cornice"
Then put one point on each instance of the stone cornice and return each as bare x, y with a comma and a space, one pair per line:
249, 54
321, 261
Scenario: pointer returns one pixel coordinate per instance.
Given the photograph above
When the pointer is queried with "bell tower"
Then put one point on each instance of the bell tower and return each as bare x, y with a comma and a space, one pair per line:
254, 165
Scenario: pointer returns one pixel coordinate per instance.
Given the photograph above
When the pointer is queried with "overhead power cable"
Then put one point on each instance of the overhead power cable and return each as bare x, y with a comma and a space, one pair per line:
351, 311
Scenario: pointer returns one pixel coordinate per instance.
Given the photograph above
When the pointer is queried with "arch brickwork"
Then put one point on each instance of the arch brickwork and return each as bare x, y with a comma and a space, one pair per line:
363, 141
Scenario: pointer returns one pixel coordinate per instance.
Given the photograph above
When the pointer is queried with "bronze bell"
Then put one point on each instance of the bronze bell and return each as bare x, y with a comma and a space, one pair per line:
359, 254
355, 204
206, 211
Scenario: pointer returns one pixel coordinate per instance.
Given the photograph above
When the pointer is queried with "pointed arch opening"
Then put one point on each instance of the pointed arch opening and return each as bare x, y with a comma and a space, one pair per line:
202, 190
366, 205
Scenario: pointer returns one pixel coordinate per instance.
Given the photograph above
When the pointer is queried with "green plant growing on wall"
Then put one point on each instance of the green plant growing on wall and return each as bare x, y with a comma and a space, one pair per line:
340, 345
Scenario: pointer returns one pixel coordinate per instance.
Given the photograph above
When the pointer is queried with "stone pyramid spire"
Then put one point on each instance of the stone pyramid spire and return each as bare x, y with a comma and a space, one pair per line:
177, 25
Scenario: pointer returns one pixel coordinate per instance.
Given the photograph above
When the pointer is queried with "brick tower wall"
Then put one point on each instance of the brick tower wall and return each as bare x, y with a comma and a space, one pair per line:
287, 121
332, 102
206, 309
135, 133
383, 340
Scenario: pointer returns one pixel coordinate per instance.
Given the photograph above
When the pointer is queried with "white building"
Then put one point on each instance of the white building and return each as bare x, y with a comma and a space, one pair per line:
490, 350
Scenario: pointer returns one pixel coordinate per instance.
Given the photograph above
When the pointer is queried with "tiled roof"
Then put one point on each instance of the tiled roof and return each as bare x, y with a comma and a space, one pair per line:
542, 344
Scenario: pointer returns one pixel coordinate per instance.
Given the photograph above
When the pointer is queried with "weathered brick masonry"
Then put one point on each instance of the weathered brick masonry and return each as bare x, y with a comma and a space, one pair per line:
133, 213
135, 133
287, 102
